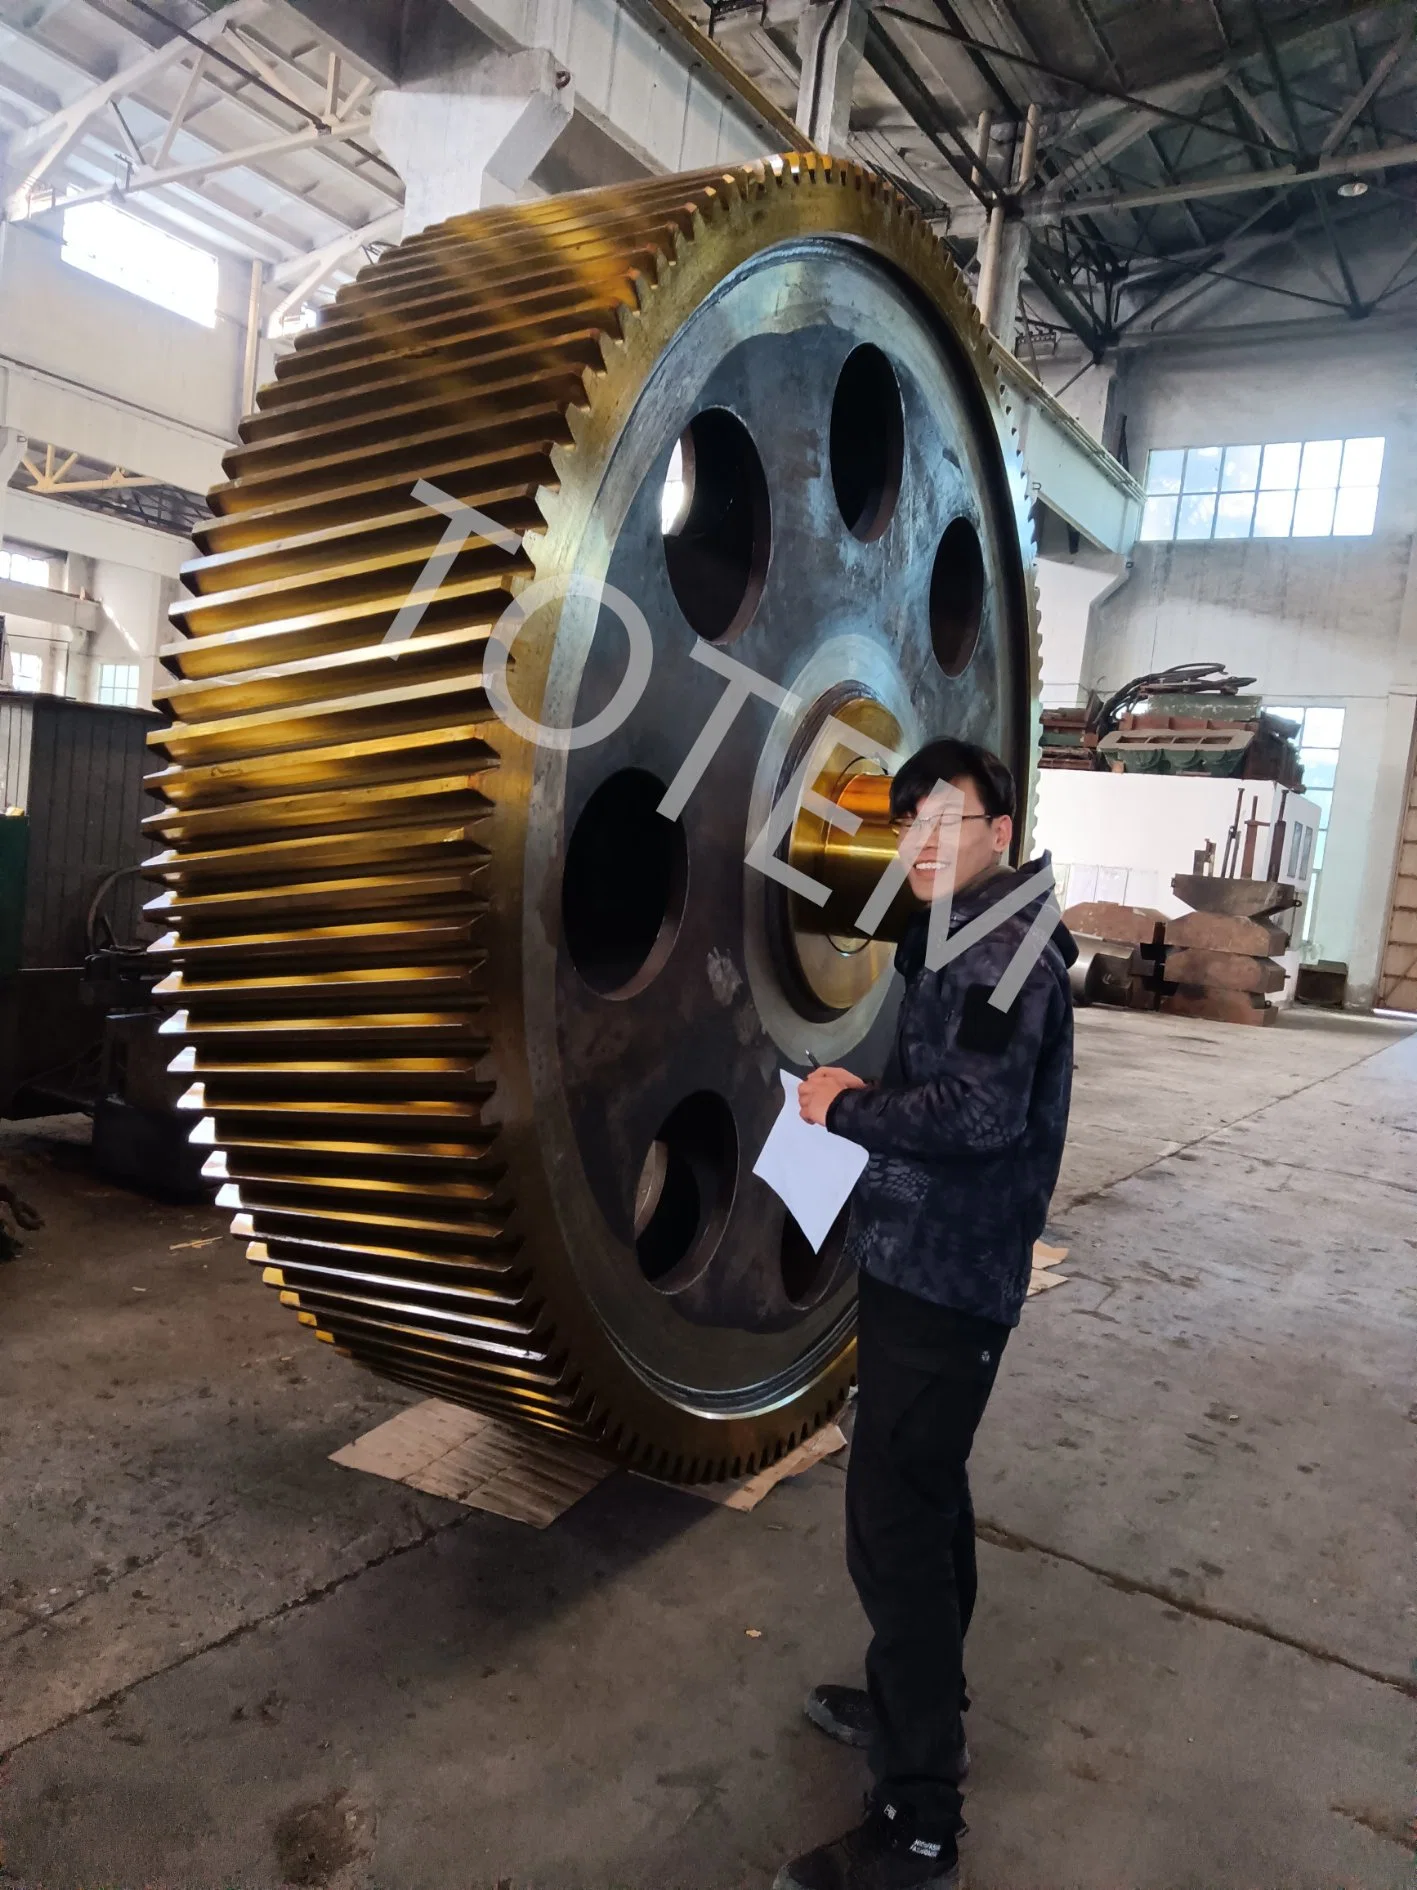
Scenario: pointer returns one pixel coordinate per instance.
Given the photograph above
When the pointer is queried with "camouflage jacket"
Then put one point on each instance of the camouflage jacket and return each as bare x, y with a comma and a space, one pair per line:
966, 1127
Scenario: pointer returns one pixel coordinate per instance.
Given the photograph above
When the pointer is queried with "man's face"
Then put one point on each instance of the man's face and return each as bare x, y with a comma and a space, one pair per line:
953, 855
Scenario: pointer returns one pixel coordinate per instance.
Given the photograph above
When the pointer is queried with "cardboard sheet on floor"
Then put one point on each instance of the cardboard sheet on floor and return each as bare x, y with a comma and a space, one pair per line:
750, 1491
470, 1459
1045, 1258
474, 1460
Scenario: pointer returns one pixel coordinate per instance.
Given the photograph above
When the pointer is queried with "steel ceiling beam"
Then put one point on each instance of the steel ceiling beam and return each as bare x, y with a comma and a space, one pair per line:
1095, 86
1100, 155
1282, 177
1154, 144
1301, 151
304, 274
1257, 114
1388, 288
1204, 274
250, 77
233, 222
1317, 21
378, 230
1061, 297
1376, 80
904, 84
1002, 95
150, 179
35, 152
180, 110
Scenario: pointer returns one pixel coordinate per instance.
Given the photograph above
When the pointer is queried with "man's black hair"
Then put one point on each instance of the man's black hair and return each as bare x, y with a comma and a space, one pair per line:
951, 760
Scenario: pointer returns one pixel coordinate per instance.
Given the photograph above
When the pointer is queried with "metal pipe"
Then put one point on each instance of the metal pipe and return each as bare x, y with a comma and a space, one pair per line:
990, 250
1028, 158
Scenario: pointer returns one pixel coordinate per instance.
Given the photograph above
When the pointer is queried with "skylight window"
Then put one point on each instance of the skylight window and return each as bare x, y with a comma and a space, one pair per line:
132, 255
1295, 489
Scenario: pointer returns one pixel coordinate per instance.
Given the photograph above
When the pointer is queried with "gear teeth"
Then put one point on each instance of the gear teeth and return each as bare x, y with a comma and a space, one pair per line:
336, 821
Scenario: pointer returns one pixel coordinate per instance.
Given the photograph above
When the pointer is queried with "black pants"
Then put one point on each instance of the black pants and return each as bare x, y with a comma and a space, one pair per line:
924, 1377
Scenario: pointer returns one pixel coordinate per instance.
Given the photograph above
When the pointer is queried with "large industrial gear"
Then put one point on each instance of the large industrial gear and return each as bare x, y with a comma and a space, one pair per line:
484, 1045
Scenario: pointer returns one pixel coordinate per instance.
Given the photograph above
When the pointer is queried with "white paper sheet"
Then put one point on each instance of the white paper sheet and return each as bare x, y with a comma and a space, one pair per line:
810, 1169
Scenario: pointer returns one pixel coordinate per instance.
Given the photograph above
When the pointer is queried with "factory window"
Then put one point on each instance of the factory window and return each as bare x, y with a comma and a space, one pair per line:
25, 671
306, 316
118, 685
23, 570
145, 261
1320, 737
1295, 489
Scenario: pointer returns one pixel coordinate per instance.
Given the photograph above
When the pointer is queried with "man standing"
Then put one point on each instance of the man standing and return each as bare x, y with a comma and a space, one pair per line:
965, 1133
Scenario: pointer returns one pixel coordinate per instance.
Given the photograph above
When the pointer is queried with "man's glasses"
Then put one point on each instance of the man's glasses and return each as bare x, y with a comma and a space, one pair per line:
899, 827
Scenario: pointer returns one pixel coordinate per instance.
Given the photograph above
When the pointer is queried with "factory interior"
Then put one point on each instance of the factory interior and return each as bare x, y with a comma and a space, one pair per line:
492, 493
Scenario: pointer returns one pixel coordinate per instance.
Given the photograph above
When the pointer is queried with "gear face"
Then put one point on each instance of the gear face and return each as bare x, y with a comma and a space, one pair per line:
484, 1044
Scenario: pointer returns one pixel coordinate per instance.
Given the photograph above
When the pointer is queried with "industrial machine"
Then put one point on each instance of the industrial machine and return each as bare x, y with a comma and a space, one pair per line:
482, 1020
78, 1022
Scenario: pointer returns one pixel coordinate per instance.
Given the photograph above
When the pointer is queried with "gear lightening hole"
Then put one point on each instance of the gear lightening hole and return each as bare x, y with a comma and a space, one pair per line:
807, 1276
717, 524
867, 442
685, 1191
622, 893
956, 597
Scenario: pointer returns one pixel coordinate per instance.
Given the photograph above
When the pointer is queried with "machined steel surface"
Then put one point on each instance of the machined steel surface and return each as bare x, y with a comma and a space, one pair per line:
484, 1045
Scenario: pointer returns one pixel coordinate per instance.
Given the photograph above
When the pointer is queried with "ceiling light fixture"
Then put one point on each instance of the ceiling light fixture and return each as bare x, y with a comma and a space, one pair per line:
1355, 187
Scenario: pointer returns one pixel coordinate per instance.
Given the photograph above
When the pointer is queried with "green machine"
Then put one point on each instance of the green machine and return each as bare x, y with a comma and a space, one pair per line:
14, 861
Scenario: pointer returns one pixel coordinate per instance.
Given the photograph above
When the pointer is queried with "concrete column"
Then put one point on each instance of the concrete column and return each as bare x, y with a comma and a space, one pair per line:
81, 675
830, 38
1010, 252
472, 135
1393, 749
13, 445
251, 354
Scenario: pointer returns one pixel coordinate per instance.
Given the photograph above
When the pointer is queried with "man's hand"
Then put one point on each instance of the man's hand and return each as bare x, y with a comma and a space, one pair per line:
820, 1089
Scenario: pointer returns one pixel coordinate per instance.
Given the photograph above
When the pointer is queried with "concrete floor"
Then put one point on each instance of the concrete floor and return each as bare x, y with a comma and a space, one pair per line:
226, 1662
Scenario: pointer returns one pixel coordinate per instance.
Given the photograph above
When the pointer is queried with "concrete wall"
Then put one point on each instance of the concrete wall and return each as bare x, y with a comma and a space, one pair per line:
1331, 621
1069, 585
130, 569
1073, 575
132, 624
99, 371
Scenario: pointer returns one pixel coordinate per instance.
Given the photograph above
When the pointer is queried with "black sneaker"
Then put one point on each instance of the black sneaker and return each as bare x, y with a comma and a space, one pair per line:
886, 1852
845, 1714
